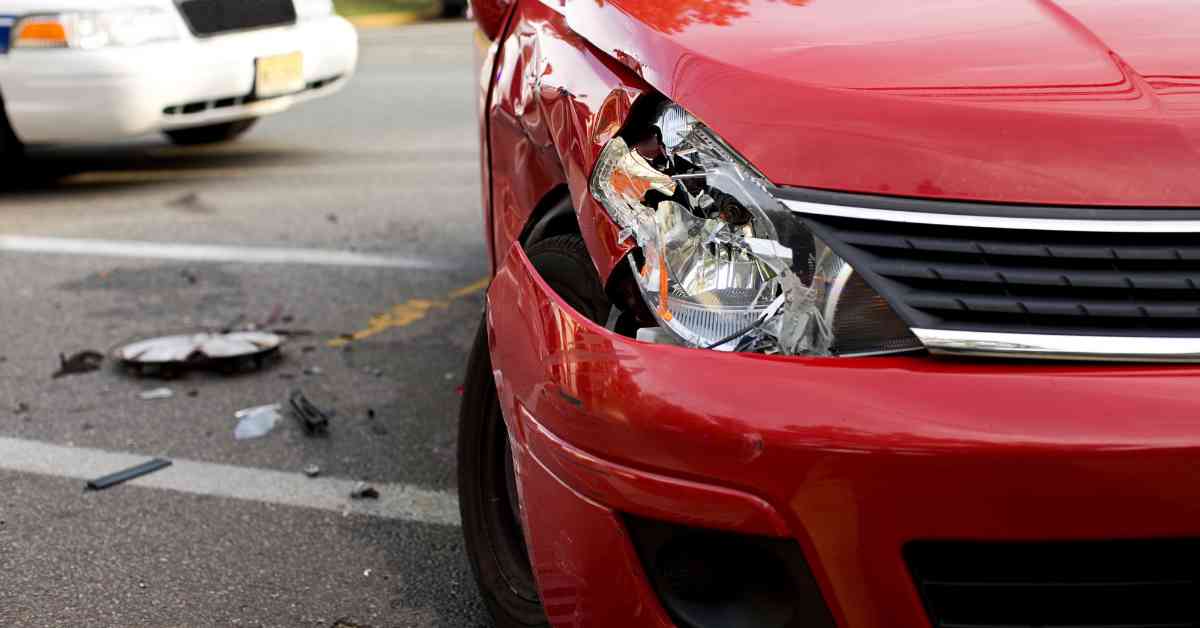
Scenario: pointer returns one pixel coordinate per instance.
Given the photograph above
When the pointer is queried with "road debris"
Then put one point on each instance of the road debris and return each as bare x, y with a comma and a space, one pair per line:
313, 370
273, 317
156, 394
313, 419
312, 470
168, 355
21, 408
256, 422
362, 490
79, 363
120, 477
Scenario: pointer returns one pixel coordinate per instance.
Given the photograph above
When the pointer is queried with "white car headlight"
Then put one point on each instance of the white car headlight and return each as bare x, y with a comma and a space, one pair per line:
720, 262
97, 29
314, 8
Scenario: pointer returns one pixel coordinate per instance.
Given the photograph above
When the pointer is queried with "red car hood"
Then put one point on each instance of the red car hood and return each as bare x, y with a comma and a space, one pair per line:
1080, 102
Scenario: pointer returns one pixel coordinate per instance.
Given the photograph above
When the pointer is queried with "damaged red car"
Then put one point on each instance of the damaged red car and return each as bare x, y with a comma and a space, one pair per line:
817, 313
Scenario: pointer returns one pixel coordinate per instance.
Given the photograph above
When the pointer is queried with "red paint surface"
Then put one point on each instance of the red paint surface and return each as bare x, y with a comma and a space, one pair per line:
1091, 102
556, 104
858, 456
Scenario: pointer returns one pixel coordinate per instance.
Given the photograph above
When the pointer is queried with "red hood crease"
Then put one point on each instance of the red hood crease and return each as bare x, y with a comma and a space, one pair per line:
1074, 102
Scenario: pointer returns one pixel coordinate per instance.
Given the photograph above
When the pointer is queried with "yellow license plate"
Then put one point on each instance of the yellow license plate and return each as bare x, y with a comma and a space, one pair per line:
279, 74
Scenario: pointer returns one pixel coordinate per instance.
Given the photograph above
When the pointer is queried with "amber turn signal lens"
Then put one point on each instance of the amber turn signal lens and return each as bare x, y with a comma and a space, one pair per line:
40, 33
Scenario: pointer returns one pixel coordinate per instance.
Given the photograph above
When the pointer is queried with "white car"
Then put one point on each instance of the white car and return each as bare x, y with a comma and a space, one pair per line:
201, 71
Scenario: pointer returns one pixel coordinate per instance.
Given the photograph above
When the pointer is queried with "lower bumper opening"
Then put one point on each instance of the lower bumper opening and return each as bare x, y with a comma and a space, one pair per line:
1097, 584
710, 579
201, 106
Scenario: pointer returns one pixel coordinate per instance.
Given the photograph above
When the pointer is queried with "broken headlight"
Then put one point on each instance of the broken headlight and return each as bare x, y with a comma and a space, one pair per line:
720, 262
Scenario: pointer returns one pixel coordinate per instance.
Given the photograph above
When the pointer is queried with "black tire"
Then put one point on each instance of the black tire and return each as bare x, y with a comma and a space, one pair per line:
11, 148
211, 134
486, 485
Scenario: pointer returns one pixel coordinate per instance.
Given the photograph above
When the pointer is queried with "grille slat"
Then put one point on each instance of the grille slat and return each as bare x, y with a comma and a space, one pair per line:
904, 268
1074, 308
213, 17
1050, 244
1094, 584
1026, 282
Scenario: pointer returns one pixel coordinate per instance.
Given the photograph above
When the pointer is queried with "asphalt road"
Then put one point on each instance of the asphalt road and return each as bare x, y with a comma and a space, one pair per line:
101, 244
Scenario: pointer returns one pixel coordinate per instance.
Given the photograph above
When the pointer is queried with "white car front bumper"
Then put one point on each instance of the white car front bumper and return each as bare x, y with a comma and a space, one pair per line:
70, 96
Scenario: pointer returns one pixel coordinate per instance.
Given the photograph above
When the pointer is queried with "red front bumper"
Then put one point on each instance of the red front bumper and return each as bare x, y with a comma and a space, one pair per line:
853, 458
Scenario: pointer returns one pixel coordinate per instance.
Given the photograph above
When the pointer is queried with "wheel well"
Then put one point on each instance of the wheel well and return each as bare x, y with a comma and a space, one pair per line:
554, 215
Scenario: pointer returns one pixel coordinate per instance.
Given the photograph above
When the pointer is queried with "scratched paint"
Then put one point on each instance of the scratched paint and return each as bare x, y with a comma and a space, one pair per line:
406, 314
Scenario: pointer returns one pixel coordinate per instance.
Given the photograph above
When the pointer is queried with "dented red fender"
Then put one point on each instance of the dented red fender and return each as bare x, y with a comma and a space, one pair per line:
555, 104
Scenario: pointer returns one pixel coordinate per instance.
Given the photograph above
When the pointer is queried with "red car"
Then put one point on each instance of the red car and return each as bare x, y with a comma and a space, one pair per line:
815, 313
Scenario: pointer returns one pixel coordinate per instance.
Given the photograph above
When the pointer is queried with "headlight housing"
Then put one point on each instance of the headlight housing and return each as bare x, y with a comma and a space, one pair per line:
313, 8
97, 29
720, 262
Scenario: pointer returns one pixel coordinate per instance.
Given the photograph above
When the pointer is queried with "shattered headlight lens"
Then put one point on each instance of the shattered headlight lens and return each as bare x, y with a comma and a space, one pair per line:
721, 263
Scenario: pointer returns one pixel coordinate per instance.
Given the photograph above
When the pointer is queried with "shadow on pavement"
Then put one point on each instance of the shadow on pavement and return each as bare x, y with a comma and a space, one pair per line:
66, 170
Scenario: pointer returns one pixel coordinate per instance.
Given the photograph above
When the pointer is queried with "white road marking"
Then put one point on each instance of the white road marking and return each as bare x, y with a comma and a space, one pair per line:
207, 252
396, 501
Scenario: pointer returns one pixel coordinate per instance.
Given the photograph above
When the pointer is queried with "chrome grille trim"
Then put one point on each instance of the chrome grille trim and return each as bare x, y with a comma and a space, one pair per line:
994, 222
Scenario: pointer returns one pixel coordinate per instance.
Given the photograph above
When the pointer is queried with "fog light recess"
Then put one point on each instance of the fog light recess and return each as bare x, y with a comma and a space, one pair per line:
709, 579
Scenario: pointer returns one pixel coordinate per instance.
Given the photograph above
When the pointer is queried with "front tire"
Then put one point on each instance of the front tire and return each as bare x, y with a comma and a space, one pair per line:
491, 512
212, 133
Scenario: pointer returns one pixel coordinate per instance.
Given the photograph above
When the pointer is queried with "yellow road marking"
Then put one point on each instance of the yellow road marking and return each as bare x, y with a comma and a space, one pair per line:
466, 291
385, 20
406, 314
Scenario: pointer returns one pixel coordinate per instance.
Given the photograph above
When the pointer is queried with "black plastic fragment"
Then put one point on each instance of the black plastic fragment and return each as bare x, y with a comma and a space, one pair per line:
82, 362
120, 477
313, 419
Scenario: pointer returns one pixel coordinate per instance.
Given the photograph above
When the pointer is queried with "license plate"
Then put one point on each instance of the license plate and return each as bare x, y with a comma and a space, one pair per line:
278, 75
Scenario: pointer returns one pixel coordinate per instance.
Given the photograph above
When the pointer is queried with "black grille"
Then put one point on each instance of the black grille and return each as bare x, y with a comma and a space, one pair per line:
1025, 281
213, 17
1103, 584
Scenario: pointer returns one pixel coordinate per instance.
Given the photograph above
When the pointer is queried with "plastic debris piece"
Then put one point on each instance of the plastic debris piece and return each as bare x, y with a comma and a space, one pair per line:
313, 419
79, 363
273, 317
157, 393
120, 477
313, 370
312, 470
256, 422
362, 490
183, 348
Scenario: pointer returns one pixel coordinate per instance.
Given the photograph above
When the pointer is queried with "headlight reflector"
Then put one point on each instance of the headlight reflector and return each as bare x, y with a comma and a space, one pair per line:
721, 263
97, 29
